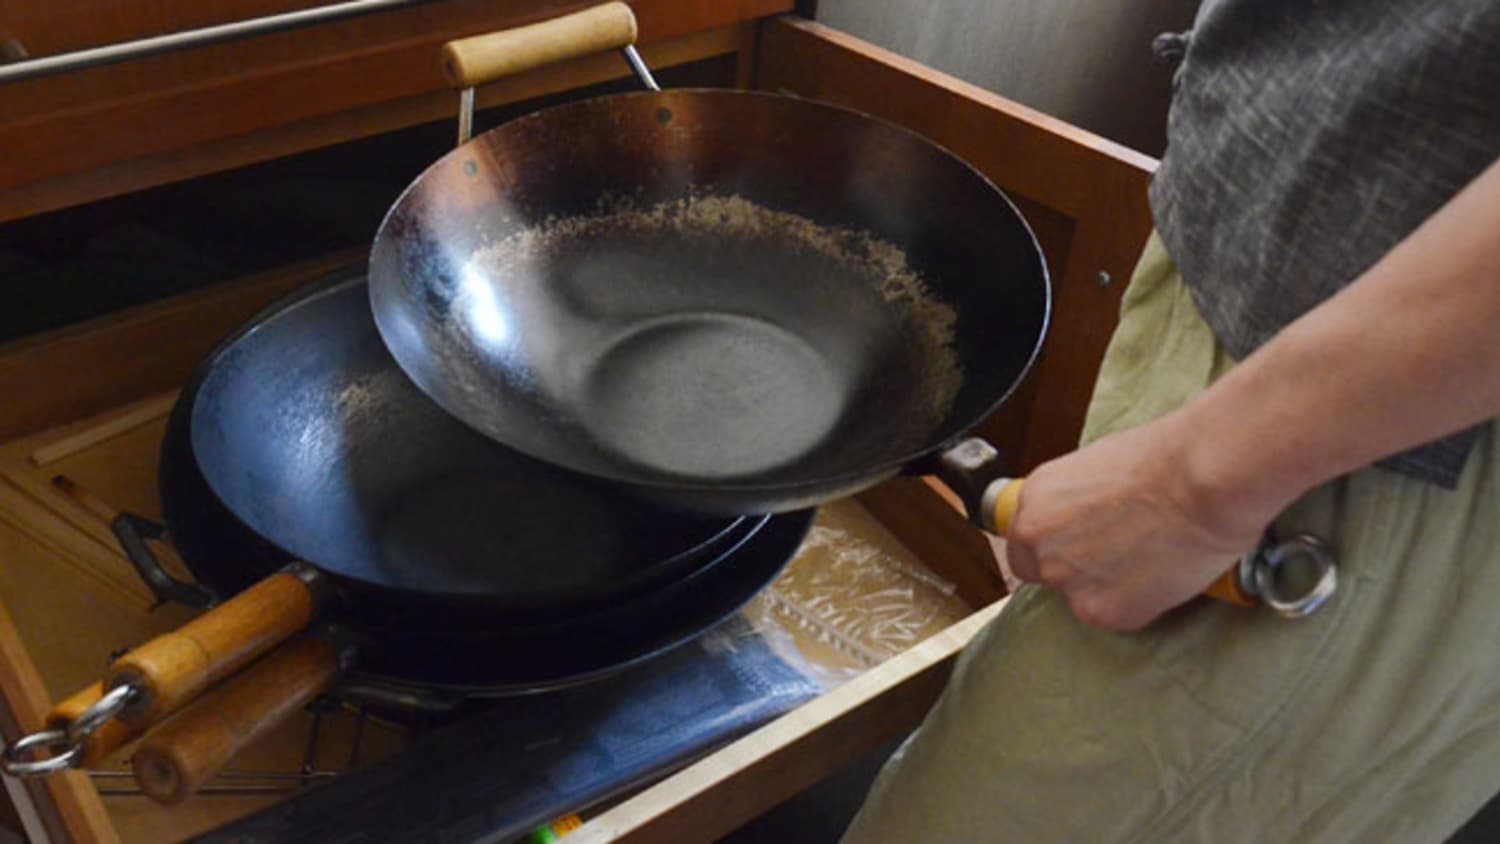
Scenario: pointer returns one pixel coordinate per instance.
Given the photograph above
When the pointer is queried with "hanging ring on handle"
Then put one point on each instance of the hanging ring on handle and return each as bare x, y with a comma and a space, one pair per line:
66, 744
1292, 594
64, 751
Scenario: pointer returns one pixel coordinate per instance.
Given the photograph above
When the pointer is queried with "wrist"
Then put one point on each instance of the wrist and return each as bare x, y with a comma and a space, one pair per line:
1235, 466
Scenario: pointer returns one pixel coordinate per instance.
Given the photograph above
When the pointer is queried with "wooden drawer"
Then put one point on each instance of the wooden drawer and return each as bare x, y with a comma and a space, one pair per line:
1086, 200
72, 598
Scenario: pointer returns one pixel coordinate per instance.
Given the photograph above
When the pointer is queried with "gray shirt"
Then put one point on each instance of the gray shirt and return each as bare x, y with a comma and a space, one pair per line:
1307, 138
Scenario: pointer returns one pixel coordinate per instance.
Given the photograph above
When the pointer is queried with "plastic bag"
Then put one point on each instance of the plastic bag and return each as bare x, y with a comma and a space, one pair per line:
853, 598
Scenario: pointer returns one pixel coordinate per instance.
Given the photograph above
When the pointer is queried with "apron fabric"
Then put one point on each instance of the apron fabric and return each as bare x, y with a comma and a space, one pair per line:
1375, 719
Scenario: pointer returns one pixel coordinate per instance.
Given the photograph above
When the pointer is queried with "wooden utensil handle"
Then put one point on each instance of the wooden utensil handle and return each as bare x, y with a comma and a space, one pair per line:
1004, 498
176, 667
473, 61
175, 760
109, 737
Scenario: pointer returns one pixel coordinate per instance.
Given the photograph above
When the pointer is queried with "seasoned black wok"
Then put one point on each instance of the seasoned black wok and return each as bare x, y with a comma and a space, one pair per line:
305, 429
397, 671
735, 301
311, 370
401, 662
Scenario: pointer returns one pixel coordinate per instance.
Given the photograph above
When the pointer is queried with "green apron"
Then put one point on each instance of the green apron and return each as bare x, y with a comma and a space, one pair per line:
1376, 719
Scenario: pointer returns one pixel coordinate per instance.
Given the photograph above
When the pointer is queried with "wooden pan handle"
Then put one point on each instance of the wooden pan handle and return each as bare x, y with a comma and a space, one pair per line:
1007, 498
187, 751
176, 667
109, 737
473, 61
1229, 590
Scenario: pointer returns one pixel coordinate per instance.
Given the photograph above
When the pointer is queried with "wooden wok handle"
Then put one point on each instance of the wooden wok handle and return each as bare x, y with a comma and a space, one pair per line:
110, 735
176, 667
175, 760
473, 61
1004, 497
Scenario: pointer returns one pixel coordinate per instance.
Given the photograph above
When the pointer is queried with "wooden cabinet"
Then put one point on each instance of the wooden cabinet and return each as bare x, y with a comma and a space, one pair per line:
1085, 198
99, 132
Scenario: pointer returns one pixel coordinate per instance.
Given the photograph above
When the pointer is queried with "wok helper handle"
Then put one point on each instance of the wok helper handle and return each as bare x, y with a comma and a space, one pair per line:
1002, 498
469, 62
179, 757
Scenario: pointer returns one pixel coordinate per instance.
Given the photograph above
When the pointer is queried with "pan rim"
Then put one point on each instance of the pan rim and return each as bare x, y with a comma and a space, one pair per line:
796, 524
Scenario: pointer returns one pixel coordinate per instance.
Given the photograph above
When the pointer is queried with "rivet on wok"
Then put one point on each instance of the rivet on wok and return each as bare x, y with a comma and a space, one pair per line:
470, 168
1103, 278
664, 116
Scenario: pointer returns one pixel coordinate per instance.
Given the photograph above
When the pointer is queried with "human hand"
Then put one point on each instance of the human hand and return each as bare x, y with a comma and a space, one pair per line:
1126, 528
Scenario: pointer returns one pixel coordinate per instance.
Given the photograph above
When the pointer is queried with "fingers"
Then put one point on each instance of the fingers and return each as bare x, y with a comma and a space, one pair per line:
1097, 602
1002, 562
1022, 562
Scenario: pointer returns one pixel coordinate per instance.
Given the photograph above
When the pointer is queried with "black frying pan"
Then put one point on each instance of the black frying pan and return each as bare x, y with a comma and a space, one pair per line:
738, 302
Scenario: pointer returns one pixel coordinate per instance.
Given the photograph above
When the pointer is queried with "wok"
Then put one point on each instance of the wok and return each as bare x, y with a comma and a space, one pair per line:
426, 673
400, 674
732, 301
726, 300
395, 671
318, 378
205, 533
306, 430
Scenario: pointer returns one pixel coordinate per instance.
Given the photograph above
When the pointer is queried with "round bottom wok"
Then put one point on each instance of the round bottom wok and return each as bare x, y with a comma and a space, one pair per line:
729, 300
734, 301
397, 664
306, 430
235, 655
397, 671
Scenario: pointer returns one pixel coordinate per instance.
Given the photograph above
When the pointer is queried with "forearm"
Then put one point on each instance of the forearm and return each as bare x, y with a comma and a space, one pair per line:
1407, 353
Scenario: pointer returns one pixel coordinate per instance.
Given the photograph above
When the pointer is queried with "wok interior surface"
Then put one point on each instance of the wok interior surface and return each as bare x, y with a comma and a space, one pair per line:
310, 434
761, 299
